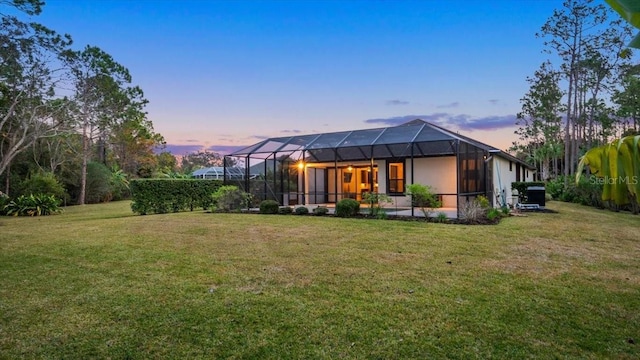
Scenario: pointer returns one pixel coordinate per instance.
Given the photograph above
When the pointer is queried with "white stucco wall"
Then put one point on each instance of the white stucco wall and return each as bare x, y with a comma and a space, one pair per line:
504, 175
437, 172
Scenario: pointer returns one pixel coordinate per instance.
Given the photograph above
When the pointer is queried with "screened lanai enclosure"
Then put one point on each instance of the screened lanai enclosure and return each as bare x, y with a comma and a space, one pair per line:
325, 168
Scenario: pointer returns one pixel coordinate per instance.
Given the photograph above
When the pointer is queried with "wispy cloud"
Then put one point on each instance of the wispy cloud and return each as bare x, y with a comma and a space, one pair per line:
452, 105
494, 101
496, 122
291, 131
397, 102
181, 149
452, 121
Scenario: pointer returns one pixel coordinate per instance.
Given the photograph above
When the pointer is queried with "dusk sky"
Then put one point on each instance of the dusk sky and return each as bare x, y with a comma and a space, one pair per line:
225, 74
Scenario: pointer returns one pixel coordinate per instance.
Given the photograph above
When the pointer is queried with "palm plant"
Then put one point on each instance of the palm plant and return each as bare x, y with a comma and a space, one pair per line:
617, 167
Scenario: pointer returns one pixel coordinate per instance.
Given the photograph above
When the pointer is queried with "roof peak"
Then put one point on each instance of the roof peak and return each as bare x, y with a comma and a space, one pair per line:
413, 122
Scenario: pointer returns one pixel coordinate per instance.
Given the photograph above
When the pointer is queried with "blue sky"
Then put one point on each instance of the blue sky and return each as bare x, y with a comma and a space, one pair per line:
226, 74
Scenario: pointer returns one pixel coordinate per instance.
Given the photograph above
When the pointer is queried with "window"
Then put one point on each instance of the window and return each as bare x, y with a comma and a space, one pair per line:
396, 178
510, 165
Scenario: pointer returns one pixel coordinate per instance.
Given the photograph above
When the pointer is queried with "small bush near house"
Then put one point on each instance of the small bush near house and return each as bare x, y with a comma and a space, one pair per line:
285, 210
471, 211
320, 210
423, 197
483, 201
441, 218
376, 202
269, 207
33, 205
229, 198
347, 208
301, 210
493, 214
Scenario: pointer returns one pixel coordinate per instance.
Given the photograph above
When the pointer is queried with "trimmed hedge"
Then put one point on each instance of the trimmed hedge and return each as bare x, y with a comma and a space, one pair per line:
171, 195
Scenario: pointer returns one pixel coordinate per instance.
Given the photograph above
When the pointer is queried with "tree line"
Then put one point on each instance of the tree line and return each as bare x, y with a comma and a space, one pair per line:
71, 119
585, 95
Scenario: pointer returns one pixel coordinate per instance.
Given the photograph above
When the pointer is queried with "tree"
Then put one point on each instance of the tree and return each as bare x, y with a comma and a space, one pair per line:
30, 7
540, 121
167, 163
101, 97
200, 159
627, 99
591, 51
29, 76
133, 141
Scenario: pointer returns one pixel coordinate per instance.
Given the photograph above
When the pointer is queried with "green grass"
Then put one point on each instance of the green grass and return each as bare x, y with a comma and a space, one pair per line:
99, 282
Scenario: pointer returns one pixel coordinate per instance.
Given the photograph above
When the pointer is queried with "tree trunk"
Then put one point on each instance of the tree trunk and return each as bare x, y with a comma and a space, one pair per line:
85, 160
567, 131
7, 181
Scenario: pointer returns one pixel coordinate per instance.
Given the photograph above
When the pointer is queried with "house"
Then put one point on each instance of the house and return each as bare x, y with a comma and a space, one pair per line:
325, 168
228, 172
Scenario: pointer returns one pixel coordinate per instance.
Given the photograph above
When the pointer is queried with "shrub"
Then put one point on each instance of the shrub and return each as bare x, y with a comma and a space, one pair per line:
99, 187
320, 210
505, 210
376, 203
441, 217
33, 205
555, 187
493, 214
483, 201
347, 208
301, 210
269, 207
161, 195
423, 197
43, 183
119, 184
471, 211
586, 192
229, 198
286, 210
4, 201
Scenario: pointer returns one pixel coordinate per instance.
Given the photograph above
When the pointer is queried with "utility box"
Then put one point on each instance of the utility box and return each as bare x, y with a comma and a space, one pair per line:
535, 195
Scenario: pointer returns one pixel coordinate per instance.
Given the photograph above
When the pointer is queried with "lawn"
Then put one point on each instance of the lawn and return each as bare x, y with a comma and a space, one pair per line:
101, 282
